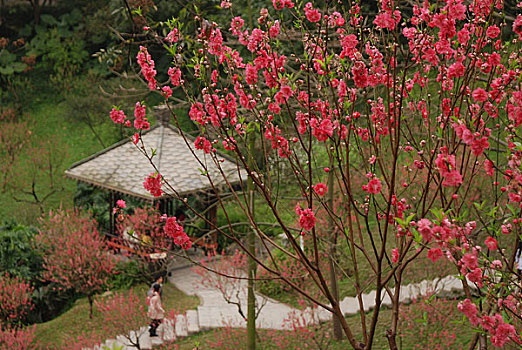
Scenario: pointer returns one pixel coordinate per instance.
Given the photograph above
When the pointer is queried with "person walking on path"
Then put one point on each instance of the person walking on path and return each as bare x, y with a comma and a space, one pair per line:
156, 312
158, 281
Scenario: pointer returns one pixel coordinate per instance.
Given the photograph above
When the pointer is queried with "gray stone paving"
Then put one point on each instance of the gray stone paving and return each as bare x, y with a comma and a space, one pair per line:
215, 312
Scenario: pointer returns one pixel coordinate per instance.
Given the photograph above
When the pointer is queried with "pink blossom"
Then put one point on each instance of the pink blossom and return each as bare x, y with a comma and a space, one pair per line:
456, 70
480, 95
479, 145
321, 130
491, 243
446, 166
467, 135
313, 15
419, 164
197, 114
435, 254
139, 111
517, 25
360, 74
173, 36
387, 20
496, 264
135, 138
226, 4
475, 276
153, 184
514, 197
166, 91
502, 332
506, 229
175, 76
236, 25
493, 31
395, 255
452, 179
430, 55
250, 74
424, 228
463, 36
374, 186
140, 122
470, 310
286, 91
117, 116
203, 143
306, 217
229, 144
488, 167
321, 189
121, 203
274, 30
469, 261
175, 231
280, 4
147, 67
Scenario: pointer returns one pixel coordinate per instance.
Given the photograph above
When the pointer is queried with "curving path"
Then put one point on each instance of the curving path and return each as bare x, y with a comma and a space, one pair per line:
215, 312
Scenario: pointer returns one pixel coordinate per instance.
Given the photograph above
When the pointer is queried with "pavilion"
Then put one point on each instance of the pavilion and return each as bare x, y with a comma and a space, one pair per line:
122, 168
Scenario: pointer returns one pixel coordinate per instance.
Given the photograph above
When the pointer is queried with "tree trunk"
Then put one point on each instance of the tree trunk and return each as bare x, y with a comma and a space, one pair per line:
251, 245
337, 328
91, 300
36, 11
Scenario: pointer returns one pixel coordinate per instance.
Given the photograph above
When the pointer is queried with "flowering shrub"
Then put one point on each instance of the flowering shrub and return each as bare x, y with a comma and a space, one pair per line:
75, 255
415, 111
15, 299
18, 338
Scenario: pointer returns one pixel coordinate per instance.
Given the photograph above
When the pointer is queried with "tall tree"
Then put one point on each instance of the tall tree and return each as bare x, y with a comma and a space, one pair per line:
418, 108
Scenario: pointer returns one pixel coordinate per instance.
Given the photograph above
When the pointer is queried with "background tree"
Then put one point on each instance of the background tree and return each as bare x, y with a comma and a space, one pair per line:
75, 255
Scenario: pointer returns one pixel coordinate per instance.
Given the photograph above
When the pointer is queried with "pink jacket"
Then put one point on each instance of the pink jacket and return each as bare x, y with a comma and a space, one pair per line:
156, 311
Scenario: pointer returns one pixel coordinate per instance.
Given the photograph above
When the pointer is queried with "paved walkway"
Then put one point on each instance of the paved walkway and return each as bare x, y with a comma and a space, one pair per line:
215, 312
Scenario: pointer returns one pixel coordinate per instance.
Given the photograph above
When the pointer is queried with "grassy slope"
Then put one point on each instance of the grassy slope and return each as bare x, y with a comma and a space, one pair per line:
56, 333
273, 340
51, 120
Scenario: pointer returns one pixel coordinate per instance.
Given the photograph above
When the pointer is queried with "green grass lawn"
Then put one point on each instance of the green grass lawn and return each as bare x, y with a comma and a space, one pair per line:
57, 333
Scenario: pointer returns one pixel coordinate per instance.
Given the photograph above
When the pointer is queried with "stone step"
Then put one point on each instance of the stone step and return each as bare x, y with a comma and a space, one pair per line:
167, 330
144, 338
181, 326
122, 341
349, 306
109, 343
155, 341
192, 322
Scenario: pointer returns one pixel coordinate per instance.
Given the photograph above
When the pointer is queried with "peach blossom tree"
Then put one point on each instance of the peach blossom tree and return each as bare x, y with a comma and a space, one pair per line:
411, 116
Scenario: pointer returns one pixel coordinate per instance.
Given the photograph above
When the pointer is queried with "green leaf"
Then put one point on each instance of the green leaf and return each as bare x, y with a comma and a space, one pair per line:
49, 20
19, 67
6, 70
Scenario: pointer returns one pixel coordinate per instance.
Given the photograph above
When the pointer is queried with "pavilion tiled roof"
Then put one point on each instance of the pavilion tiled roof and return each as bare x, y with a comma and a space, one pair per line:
123, 168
